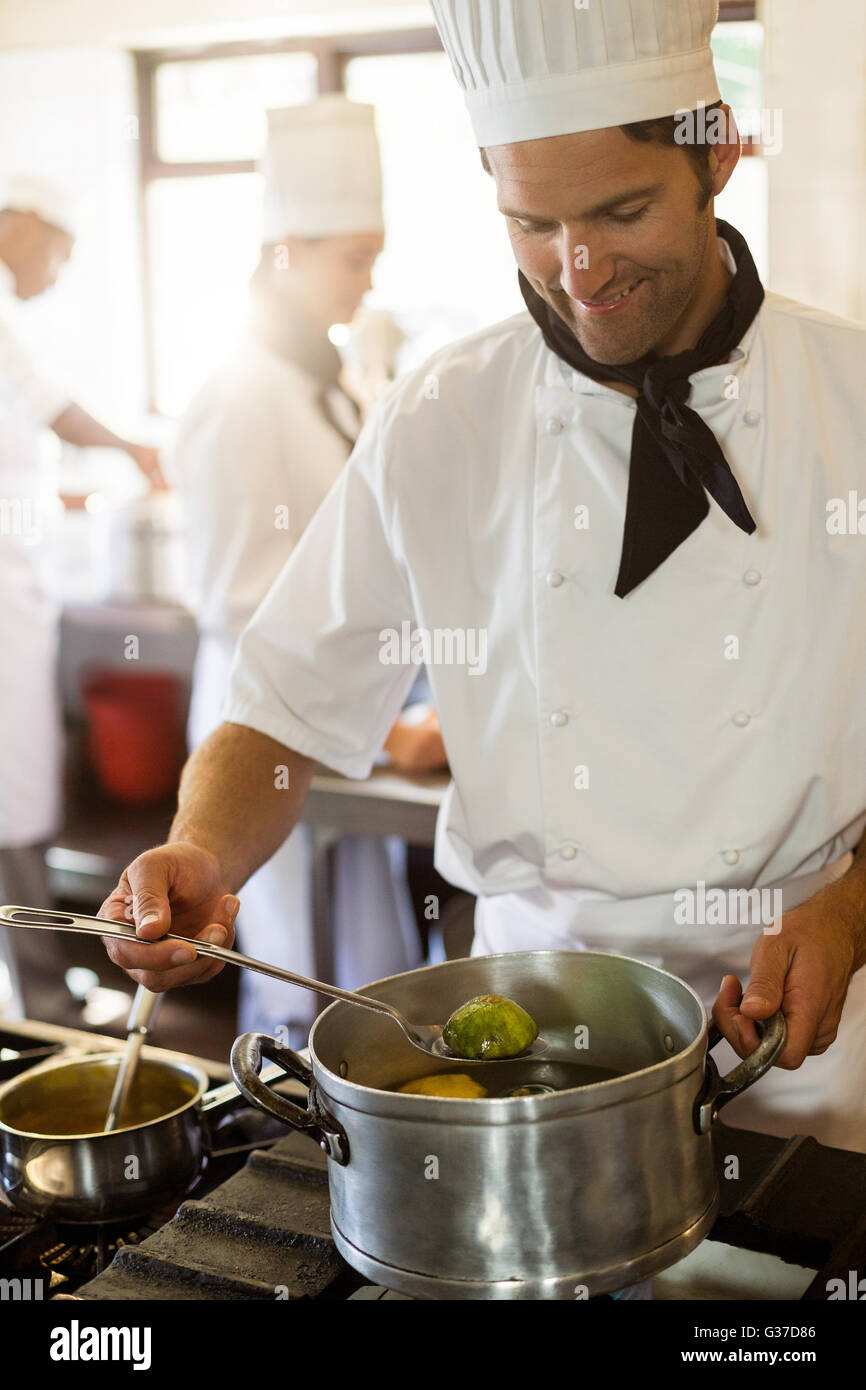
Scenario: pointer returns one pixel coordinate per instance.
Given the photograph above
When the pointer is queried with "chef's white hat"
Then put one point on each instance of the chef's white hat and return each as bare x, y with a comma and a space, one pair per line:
323, 175
536, 68
26, 193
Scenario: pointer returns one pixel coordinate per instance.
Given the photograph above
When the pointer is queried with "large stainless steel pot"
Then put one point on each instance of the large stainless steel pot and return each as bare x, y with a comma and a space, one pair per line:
55, 1162
547, 1196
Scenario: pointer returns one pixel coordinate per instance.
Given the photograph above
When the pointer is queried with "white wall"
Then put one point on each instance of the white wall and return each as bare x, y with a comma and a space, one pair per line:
816, 76
68, 115
144, 23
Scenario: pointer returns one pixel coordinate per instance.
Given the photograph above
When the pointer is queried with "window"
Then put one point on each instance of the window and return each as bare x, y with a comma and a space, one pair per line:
215, 109
447, 262
447, 267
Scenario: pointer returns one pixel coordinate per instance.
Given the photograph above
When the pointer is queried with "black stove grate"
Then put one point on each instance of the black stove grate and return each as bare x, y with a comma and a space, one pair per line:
263, 1234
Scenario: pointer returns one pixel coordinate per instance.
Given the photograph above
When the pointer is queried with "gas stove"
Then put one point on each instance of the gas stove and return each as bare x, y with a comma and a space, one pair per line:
256, 1225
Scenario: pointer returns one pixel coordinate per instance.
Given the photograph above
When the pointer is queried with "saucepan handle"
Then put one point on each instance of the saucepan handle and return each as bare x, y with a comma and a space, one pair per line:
718, 1090
246, 1062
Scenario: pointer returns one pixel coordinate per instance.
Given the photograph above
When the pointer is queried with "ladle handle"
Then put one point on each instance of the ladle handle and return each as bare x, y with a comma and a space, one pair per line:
144, 1009
46, 919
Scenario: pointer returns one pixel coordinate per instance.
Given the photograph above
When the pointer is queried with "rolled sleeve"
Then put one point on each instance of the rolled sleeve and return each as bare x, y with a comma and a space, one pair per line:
308, 669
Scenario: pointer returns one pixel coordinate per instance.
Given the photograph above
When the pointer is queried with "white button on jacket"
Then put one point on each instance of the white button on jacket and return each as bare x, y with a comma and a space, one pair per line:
450, 515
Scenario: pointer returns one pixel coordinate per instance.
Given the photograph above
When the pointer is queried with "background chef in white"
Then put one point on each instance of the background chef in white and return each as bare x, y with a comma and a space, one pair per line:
256, 452
36, 240
611, 755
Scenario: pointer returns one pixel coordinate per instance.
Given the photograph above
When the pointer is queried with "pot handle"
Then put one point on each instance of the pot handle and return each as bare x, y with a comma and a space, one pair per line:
225, 1099
246, 1063
718, 1090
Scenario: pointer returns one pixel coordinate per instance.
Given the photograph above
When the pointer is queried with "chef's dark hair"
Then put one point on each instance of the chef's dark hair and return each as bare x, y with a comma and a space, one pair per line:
663, 130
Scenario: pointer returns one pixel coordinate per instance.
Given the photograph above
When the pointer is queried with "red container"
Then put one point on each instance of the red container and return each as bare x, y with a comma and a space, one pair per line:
135, 733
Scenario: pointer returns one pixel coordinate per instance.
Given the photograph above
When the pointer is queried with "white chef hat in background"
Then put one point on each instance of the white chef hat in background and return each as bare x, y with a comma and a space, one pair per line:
535, 68
322, 170
50, 201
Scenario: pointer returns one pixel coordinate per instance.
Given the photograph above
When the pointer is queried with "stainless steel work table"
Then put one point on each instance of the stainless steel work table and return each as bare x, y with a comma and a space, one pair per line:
386, 803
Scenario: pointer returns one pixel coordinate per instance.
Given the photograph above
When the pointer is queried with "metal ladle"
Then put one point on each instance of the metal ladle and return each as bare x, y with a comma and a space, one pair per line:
427, 1037
141, 1016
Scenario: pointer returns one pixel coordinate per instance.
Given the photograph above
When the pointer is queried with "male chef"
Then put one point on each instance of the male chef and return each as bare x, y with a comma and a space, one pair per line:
603, 523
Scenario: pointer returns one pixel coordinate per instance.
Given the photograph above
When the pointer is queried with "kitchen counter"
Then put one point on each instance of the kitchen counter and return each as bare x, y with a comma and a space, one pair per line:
100, 838
386, 803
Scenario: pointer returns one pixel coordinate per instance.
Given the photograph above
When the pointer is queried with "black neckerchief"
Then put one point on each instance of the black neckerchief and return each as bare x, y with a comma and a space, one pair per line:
674, 454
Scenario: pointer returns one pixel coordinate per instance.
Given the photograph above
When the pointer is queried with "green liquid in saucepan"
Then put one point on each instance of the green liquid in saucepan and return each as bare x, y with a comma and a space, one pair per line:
73, 1099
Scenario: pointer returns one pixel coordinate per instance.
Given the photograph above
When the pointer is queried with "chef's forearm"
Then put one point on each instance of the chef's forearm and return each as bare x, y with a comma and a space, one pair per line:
74, 426
241, 794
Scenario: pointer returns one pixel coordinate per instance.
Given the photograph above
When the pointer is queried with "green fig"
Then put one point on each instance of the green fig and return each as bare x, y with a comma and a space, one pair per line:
489, 1026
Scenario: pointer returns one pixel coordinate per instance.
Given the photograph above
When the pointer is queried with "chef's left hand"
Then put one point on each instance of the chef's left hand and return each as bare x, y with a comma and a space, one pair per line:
805, 970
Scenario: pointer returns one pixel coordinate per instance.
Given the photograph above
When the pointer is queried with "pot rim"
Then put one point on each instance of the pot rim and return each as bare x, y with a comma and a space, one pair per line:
80, 1059
594, 1095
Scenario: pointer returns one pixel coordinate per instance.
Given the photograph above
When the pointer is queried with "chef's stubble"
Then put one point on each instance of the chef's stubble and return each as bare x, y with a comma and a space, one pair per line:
669, 291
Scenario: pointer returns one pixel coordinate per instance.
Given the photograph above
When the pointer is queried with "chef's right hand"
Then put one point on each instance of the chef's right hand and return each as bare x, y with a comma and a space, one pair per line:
177, 888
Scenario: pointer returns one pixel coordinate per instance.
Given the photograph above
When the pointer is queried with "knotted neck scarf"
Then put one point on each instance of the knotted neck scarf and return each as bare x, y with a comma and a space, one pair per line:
675, 457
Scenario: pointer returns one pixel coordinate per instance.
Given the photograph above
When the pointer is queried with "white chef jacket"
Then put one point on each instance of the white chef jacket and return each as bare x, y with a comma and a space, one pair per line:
258, 448
458, 511
30, 729
232, 461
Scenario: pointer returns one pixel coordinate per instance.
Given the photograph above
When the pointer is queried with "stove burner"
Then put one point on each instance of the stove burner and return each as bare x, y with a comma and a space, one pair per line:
65, 1257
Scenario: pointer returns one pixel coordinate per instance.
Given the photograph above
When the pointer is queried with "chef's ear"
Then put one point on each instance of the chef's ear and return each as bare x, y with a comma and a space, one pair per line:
725, 149
485, 162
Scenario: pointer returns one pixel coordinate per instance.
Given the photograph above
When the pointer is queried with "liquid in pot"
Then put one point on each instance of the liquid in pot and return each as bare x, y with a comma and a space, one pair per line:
73, 1099
499, 1078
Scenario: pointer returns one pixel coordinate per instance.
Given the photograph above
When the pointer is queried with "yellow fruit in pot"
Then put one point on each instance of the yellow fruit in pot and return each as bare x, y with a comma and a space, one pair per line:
455, 1085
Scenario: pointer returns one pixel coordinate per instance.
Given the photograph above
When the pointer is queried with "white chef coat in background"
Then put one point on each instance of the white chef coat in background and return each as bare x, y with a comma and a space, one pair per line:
256, 447
30, 730
31, 745
458, 510
253, 440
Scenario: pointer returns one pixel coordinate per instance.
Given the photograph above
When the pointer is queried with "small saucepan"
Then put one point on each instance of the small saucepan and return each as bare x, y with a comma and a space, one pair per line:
56, 1162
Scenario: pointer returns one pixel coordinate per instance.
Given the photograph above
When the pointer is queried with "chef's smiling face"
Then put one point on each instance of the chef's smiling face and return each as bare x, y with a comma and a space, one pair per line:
596, 215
